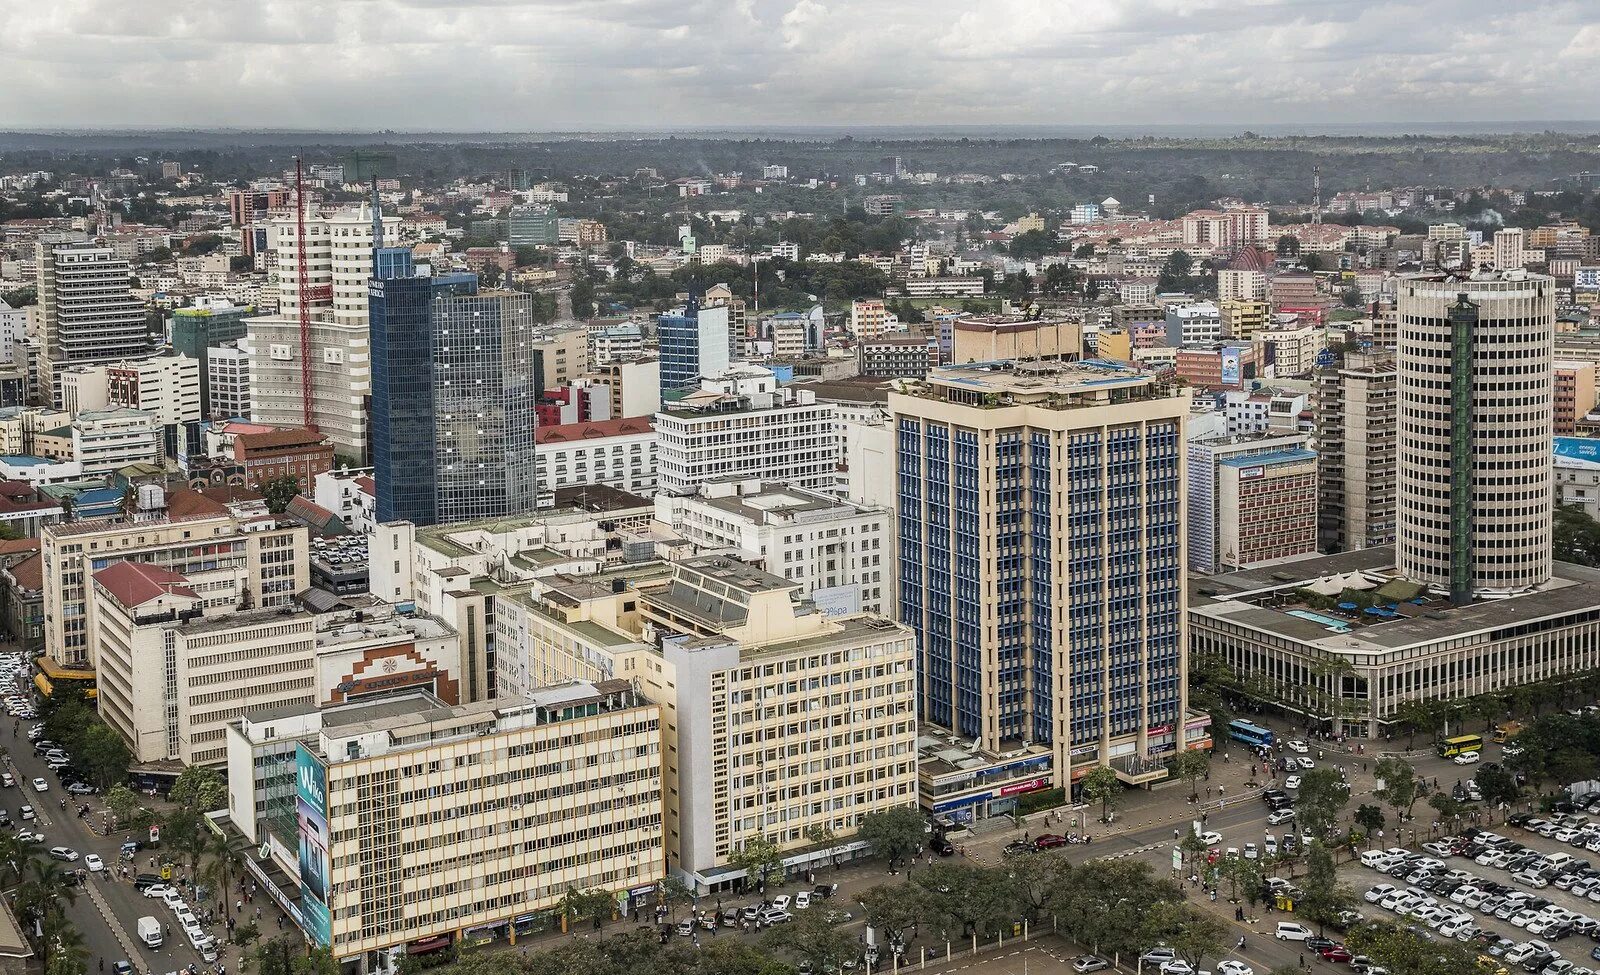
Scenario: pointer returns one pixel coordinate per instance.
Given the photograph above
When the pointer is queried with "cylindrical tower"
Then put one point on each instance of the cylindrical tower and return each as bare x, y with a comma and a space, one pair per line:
1475, 399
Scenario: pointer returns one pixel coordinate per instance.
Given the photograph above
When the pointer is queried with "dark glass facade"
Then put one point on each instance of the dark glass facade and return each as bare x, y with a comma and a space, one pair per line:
403, 417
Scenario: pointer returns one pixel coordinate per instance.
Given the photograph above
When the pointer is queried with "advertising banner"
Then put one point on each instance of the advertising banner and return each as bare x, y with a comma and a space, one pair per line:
311, 815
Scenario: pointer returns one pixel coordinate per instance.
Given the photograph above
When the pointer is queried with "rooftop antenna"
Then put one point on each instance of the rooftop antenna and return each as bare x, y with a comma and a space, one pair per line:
1316, 194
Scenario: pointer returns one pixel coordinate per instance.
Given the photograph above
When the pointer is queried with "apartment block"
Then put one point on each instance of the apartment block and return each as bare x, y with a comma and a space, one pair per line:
618, 454
1574, 394
839, 552
374, 809
88, 313
1357, 427
906, 356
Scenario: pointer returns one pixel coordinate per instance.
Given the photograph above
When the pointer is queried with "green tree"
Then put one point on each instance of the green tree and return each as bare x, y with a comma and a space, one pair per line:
1369, 818
1102, 785
582, 296
1176, 271
103, 756
758, 857
891, 908
199, 789
1288, 246
1400, 950
65, 951
1037, 879
894, 833
1323, 794
279, 492
246, 934
1193, 933
1322, 897
813, 938
1447, 806
961, 900
1192, 764
1399, 784
1577, 536
675, 894
594, 905
1497, 786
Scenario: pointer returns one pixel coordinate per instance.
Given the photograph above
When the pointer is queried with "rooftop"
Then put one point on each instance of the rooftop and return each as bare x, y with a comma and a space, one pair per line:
1273, 600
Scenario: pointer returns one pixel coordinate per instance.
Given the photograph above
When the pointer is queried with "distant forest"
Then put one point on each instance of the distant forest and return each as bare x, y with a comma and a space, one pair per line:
1177, 171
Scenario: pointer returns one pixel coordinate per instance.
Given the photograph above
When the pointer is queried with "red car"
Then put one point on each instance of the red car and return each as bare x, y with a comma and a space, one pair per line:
1336, 953
1048, 840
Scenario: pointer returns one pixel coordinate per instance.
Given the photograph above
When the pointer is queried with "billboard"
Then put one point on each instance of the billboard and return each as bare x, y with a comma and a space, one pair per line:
1230, 367
311, 818
1577, 452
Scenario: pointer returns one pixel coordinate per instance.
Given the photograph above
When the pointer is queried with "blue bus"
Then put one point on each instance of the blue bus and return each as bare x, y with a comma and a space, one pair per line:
1250, 734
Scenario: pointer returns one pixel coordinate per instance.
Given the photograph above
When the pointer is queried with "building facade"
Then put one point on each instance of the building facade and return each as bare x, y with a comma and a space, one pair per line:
618, 454
87, 311
1355, 412
1475, 401
406, 824
1252, 499
1041, 559
695, 343
742, 424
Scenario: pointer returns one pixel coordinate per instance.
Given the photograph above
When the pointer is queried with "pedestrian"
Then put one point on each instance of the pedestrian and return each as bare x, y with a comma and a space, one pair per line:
1302, 960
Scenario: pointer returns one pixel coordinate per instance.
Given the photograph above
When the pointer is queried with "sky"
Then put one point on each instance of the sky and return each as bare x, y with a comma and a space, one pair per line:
542, 65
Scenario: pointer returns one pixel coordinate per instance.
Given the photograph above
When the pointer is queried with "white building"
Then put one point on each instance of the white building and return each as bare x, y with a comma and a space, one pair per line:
167, 386
1241, 285
105, 441
1199, 323
617, 453
338, 263
615, 342
742, 424
227, 393
837, 551
349, 493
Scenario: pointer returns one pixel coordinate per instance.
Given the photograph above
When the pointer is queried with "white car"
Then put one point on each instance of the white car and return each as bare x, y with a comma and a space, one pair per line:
1210, 838
93, 862
780, 903
1468, 758
802, 900
1292, 782
1304, 762
40, 785
1177, 966
1231, 967
1250, 852
1299, 747
158, 890
63, 853
1377, 893
1280, 816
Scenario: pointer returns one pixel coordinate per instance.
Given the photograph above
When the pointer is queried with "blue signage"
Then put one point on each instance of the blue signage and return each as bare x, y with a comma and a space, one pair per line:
1577, 451
311, 815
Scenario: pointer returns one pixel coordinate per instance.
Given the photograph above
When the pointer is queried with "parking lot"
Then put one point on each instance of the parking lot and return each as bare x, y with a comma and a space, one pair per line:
1507, 891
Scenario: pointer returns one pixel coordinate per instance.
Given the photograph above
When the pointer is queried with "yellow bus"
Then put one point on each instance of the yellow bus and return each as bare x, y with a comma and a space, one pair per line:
1450, 747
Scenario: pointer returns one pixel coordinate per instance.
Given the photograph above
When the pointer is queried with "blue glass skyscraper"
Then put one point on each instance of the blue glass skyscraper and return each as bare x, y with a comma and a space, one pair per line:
403, 416
690, 345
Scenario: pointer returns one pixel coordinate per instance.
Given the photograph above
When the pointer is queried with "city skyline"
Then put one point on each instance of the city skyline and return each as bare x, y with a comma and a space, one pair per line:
525, 66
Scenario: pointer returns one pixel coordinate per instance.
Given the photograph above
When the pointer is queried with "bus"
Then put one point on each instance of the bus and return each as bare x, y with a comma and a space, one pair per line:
1451, 747
1250, 734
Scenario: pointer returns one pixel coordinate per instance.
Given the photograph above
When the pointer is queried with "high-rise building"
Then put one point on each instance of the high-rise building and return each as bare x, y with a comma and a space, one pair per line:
1041, 560
1355, 416
1508, 249
742, 424
339, 262
1475, 403
227, 387
455, 384
694, 343
88, 313
1252, 500
532, 225
1574, 394
210, 323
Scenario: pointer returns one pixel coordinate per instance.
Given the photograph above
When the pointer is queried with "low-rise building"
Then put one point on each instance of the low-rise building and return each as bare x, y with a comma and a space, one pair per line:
1220, 367
836, 550
991, 338
555, 791
1577, 474
618, 454
907, 356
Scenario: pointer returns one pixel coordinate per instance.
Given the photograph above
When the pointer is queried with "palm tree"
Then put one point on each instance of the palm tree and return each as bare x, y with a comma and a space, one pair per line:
221, 855
65, 952
15, 855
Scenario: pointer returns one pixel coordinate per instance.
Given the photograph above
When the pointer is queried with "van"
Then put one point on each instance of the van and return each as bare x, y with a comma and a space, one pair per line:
150, 932
1291, 931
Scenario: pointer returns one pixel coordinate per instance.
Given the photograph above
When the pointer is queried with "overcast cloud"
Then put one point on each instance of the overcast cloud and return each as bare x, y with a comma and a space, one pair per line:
525, 65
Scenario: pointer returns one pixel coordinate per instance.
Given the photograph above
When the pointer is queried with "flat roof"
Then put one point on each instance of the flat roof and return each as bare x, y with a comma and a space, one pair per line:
1270, 457
1572, 589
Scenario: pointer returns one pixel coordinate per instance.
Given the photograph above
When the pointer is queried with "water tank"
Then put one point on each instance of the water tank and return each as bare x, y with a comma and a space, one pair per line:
152, 497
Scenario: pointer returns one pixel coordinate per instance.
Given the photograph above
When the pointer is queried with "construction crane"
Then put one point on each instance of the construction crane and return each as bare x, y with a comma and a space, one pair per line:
304, 290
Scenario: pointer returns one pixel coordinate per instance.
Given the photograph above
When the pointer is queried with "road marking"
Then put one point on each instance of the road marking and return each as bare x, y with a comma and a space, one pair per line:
117, 930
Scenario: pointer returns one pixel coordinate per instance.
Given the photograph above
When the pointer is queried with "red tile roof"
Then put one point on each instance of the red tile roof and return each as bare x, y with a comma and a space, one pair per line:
367, 484
136, 583
596, 429
29, 573
11, 546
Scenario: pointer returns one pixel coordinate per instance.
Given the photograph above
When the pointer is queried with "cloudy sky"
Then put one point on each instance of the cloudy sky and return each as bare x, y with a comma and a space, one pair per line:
526, 65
